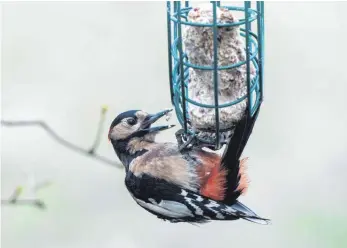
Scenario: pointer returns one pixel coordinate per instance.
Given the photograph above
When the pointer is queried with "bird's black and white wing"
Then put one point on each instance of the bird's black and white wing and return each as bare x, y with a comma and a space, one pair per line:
170, 202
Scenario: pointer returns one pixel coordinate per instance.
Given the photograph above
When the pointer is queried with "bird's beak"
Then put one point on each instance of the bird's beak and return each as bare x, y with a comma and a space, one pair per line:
151, 118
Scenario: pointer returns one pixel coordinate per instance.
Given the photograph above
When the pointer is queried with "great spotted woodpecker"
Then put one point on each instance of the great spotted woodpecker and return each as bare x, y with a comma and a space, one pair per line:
192, 185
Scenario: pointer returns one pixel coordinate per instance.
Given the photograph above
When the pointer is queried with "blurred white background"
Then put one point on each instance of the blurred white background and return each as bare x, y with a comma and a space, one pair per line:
62, 61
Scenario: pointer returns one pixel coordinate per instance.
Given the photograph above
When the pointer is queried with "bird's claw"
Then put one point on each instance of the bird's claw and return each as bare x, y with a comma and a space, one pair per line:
186, 142
183, 141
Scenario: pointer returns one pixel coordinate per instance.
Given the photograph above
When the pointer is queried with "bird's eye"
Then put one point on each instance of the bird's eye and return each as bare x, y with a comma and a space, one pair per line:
131, 121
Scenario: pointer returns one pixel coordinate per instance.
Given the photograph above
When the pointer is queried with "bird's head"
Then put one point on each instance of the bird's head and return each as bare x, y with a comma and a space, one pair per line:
136, 124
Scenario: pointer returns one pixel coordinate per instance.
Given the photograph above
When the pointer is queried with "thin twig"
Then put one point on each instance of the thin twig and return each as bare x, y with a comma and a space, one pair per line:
35, 202
59, 139
14, 198
16, 193
99, 131
88, 152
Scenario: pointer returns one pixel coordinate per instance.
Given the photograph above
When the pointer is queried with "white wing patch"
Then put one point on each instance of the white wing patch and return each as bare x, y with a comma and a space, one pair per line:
184, 193
199, 198
230, 210
170, 209
198, 210
215, 204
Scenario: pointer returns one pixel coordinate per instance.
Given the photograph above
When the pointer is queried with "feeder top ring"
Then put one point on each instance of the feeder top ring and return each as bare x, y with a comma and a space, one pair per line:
184, 11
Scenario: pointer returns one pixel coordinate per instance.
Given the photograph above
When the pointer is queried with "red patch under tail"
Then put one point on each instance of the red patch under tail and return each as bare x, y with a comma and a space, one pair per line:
213, 177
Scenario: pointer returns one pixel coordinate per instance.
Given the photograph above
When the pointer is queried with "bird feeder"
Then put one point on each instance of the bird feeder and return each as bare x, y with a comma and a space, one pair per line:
216, 68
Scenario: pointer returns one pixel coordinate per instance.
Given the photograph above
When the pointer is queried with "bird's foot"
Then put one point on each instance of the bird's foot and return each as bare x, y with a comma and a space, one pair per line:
183, 141
187, 142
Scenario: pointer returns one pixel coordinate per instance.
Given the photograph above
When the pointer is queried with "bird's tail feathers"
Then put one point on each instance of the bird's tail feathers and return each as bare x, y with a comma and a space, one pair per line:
245, 213
237, 180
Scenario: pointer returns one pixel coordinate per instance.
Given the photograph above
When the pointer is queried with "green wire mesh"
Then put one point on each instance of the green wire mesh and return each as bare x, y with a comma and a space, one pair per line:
179, 64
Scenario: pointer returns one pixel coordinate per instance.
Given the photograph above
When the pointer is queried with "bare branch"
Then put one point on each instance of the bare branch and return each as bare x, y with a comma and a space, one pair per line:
14, 198
34, 202
99, 131
90, 153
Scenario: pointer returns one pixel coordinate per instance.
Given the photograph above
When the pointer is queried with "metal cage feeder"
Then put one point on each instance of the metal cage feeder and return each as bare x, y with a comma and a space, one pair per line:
179, 67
